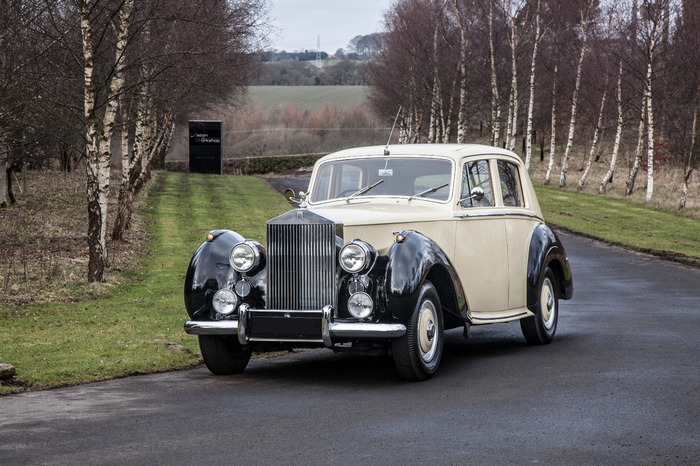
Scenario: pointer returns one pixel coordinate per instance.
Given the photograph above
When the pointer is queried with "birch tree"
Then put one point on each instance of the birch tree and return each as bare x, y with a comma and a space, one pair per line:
436, 100
618, 135
99, 128
495, 98
690, 167
656, 10
638, 152
464, 22
531, 104
511, 13
596, 136
585, 14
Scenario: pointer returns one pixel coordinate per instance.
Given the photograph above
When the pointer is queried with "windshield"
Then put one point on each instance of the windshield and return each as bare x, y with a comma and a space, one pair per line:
417, 177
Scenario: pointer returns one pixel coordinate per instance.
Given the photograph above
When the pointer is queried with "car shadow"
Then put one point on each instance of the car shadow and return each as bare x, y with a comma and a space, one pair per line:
320, 367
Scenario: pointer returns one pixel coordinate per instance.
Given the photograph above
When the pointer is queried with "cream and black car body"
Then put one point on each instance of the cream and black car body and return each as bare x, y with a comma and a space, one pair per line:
390, 247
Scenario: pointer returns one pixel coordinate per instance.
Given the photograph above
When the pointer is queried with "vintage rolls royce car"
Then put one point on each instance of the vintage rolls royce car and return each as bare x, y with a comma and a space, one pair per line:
390, 247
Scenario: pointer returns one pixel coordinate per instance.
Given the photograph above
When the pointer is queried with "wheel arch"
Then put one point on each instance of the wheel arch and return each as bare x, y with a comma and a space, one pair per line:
546, 250
209, 269
414, 260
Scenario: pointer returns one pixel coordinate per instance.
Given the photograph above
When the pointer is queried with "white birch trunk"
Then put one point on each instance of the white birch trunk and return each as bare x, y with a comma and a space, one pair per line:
433, 131
553, 136
596, 136
649, 97
495, 99
574, 100
691, 165
513, 102
531, 103
618, 135
463, 79
638, 151
650, 134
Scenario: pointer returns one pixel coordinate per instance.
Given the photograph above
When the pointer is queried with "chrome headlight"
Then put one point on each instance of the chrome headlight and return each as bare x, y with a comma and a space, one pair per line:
354, 257
360, 305
244, 257
224, 302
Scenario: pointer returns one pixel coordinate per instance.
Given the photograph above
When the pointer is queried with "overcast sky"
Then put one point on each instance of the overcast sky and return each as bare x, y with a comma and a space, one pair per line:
298, 23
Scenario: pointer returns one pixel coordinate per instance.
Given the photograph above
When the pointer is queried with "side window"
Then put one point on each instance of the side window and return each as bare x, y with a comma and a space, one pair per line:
476, 175
510, 184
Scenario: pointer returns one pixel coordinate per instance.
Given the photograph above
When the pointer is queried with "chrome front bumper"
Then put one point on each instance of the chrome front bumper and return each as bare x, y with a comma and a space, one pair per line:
329, 329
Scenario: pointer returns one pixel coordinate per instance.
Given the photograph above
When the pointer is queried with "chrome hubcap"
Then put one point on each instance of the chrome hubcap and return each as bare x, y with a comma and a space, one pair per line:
427, 333
548, 308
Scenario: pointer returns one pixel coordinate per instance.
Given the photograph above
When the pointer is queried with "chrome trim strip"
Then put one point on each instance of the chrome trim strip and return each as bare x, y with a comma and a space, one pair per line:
366, 330
217, 327
499, 214
501, 319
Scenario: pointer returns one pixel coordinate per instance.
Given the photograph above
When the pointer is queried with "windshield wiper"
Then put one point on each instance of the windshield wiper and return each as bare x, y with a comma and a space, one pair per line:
365, 189
431, 190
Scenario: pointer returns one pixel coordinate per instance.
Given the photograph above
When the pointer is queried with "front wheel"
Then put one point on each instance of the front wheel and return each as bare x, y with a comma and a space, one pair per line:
417, 353
223, 355
540, 328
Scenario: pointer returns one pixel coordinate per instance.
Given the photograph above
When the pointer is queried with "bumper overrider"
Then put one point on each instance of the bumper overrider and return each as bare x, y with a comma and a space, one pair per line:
293, 326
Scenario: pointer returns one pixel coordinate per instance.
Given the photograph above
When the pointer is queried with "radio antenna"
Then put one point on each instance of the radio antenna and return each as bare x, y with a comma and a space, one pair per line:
386, 149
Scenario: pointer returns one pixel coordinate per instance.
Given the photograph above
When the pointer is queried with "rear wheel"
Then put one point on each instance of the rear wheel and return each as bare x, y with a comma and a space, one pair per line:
417, 353
540, 328
223, 355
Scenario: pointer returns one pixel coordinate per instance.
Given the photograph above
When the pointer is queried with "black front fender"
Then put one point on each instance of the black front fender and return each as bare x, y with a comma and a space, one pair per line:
413, 261
546, 250
210, 269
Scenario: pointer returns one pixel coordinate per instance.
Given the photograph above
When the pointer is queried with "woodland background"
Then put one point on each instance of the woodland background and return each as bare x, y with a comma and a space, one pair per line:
95, 95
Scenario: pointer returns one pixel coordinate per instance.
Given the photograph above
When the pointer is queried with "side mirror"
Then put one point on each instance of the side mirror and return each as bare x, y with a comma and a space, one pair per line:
476, 193
289, 194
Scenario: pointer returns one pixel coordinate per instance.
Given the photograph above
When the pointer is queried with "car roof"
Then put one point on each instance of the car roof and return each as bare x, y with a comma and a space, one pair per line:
454, 151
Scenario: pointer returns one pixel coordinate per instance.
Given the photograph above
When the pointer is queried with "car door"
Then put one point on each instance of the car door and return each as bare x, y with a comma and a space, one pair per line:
519, 224
481, 252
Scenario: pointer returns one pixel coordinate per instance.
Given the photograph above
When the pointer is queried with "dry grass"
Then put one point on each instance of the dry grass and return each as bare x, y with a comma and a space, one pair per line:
667, 180
43, 242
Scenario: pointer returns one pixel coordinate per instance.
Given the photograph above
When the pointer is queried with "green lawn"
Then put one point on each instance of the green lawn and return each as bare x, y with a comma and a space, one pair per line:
623, 222
307, 97
133, 329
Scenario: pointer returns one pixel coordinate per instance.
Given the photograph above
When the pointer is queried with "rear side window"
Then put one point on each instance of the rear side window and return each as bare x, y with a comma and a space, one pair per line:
511, 187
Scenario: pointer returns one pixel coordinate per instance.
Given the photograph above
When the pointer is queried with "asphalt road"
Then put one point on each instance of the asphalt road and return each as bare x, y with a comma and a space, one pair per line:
620, 384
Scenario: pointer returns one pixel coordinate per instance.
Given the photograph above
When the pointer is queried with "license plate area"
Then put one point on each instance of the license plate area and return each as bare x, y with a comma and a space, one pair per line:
285, 326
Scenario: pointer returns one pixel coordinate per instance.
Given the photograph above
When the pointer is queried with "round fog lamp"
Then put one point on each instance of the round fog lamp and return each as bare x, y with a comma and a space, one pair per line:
224, 302
353, 257
360, 305
243, 257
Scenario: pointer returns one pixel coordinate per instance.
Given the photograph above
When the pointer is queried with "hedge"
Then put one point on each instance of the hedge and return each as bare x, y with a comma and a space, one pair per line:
257, 165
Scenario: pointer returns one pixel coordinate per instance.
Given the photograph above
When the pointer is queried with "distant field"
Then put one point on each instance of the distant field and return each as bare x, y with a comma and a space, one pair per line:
308, 97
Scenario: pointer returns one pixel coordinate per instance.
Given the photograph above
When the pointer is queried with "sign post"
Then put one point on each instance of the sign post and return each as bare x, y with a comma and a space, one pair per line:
205, 147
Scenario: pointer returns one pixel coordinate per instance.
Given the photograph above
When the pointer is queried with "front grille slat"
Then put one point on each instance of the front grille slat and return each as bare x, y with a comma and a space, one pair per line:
301, 266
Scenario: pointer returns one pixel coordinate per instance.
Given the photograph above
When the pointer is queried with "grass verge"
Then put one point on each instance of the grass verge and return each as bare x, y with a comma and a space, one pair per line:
136, 328
624, 223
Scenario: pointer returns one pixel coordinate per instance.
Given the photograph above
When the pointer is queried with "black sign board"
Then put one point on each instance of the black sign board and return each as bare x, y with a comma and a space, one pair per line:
205, 147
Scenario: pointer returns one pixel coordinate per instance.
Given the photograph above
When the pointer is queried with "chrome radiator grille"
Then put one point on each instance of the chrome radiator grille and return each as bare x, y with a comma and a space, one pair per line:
300, 266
